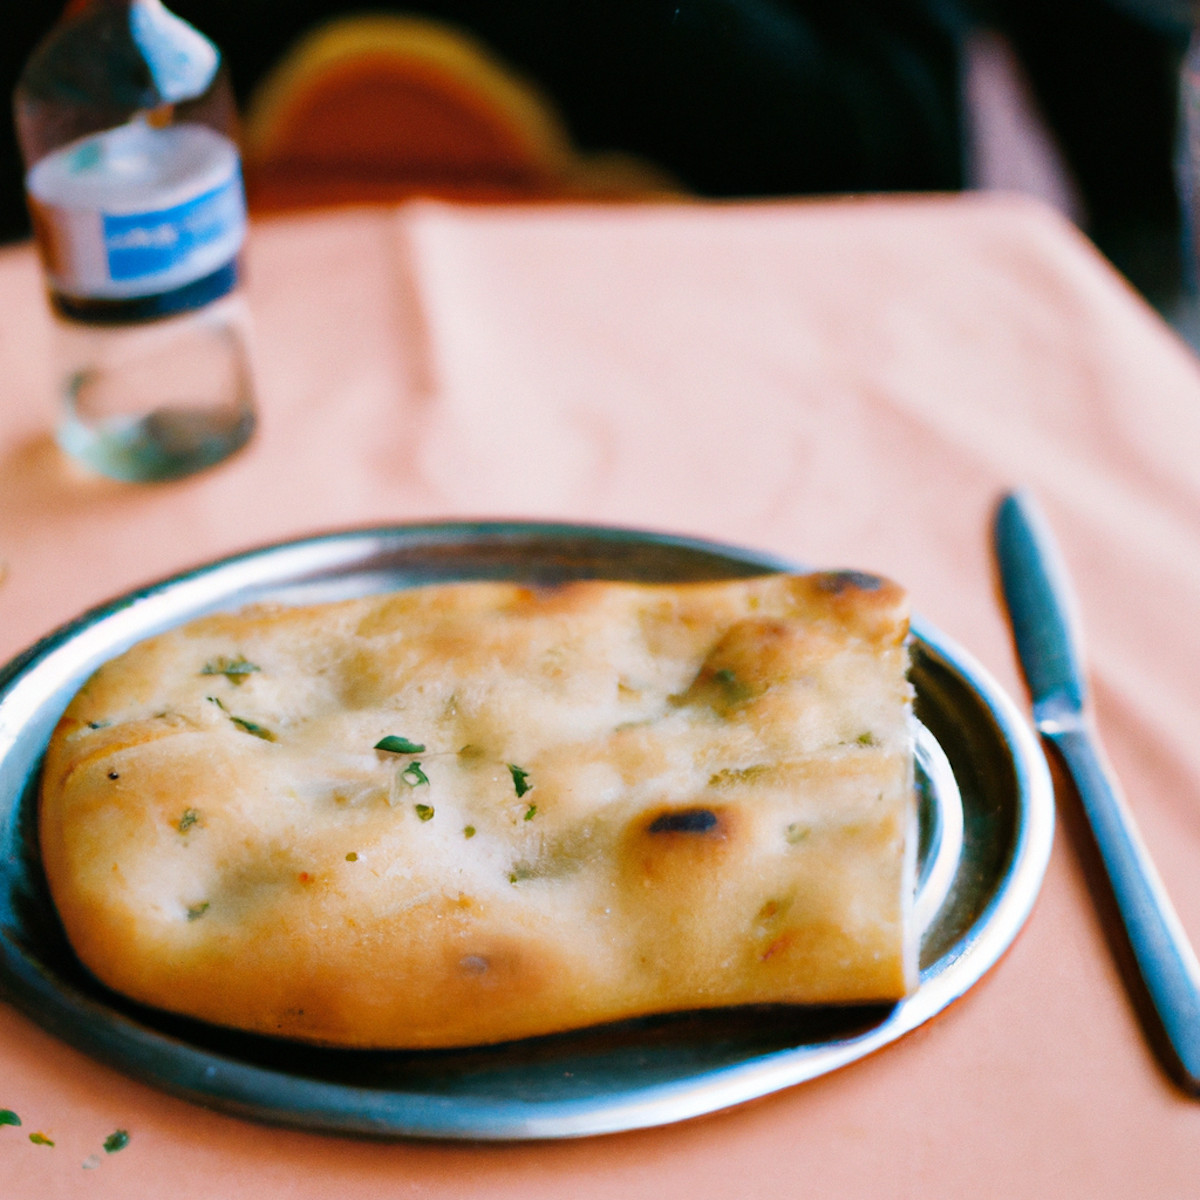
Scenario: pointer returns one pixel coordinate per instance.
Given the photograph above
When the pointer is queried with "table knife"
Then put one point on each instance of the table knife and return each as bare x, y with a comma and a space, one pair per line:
1042, 612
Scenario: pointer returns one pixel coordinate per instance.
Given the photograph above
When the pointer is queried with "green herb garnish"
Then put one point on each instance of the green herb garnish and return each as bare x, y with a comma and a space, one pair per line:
254, 728
866, 739
413, 775
40, 1139
352, 857
531, 812
242, 723
394, 744
468, 831
117, 1140
189, 818
521, 782
734, 690
234, 669
197, 910
425, 812
8, 1117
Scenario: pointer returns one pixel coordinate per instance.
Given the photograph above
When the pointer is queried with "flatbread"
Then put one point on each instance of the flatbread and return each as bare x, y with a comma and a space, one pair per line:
467, 813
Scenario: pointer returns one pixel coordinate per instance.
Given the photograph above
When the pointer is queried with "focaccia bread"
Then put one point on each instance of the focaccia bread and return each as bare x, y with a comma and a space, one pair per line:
467, 813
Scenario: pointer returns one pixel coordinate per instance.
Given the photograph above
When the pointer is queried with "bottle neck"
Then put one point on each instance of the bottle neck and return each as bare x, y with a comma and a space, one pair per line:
108, 62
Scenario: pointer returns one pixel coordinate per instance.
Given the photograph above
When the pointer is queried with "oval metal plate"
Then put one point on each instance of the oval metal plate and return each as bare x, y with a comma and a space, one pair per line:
636, 1074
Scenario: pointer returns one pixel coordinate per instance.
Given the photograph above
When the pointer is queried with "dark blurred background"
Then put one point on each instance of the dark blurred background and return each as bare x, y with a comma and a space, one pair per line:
739, 98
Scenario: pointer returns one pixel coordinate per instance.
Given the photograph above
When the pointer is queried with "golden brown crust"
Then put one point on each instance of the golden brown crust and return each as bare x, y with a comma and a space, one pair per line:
629, 799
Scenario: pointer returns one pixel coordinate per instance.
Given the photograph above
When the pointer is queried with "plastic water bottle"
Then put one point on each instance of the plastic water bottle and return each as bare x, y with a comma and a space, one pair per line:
126, 123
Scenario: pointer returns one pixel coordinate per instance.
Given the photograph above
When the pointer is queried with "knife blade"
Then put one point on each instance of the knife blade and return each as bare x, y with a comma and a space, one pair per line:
1046, 630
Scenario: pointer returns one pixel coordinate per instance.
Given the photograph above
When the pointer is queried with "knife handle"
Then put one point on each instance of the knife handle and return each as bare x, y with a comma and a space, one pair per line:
1164, 956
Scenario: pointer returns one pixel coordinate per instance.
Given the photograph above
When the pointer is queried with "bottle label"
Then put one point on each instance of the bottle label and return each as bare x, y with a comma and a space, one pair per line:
136, 211
149, 245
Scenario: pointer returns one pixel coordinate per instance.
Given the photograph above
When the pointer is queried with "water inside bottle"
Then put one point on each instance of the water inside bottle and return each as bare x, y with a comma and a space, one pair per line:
157, 401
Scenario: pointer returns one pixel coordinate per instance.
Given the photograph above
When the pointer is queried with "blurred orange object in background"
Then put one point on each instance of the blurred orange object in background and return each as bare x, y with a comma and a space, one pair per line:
377, 108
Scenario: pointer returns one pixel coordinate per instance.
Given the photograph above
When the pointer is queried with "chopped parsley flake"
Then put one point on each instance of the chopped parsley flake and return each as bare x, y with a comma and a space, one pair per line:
259, 731
190, 817
425, 812
117, 1140
197, 910
866, 739
253, 728
520, 780
734, 691
413, 775
531, 812
394, 744
468, 831
234, 669
352, 857
40, 1139
8, 1117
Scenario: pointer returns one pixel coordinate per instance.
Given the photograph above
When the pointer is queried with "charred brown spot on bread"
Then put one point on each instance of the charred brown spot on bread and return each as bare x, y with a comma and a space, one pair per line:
673, 856
868, 606
838, 582
687, 820
677, 843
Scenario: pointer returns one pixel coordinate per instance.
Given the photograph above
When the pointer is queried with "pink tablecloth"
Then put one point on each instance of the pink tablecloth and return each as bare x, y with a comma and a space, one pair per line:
848, 384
